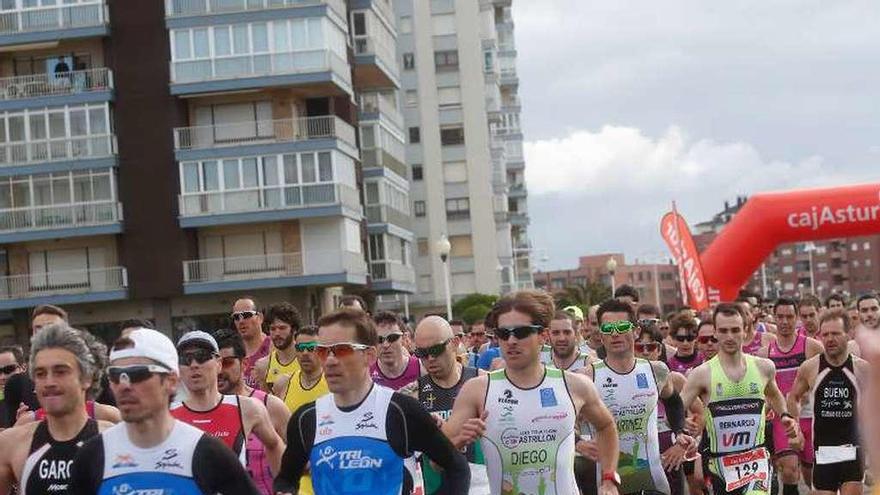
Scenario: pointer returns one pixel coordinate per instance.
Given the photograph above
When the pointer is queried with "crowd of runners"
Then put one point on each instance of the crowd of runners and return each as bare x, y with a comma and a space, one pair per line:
747, 397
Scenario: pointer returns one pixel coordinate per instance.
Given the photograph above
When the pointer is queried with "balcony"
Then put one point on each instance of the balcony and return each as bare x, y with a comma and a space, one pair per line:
519, 219
375, 64
322, 70
22, 25
188, 8
60, 221
378, 158
509, 77
91, 151
45, 90
63, 287
517, 191
379, 214
392, 276
268, 203
277, 270
376, 106
511, 104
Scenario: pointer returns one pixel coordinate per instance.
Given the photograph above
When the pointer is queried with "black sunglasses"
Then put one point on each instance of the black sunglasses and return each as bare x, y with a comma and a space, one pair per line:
685, 338
243, 315
134, 374
201, 356
520, 332
433, 351
8, 370
390, 338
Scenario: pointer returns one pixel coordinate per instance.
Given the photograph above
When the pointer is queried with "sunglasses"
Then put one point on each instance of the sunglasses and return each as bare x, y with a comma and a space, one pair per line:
8, 370
460, 335
521, 332
647, 347
433, 351
243, 315
306, 347
684, 338
478, 334
134, 374
201, 356
705, 339
228, 361
339, 351
621, 326
390, 338
645, 322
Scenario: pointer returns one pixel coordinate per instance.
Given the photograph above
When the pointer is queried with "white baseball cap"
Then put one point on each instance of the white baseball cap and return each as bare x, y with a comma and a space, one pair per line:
151, 344
199, 336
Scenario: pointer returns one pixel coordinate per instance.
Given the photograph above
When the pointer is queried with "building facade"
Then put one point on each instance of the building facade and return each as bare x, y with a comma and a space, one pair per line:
158, 159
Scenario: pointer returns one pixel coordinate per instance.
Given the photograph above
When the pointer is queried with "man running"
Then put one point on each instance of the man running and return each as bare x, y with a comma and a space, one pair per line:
436, 391
37, 456
564, 353
525, 415
248, 320
753, 340
231, 418
788, 352
835, 301
808, 309
284, 322
357, 437
735, 387
395, 367
150, 451
683, 330
229, 382
632, 389
832, 380
707, 344
476, 338
11, 364
868, 306
590, 331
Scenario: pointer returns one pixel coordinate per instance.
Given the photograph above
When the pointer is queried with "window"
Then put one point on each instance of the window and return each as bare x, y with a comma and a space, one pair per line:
455, 172
406, 25
419, 208
415, 136
787, 269
446, 60
43, 134
867, 263
855, 264
417, 173
786, 252
854, 247
444, 24
452, 136
557, 283
422, 246
488, 61
458, 208
866, 246
462, 246
409, 61
412, 97
449, 97
822, 266
821, 249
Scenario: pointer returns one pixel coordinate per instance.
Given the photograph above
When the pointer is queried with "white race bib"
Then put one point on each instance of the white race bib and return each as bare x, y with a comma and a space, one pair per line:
742, 469
832, 454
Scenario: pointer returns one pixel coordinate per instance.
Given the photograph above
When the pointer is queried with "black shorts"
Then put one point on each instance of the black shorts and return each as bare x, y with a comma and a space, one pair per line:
585, 474
830, 477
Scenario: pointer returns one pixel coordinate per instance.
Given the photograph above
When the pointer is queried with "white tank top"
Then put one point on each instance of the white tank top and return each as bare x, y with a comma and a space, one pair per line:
529, 440
632, 400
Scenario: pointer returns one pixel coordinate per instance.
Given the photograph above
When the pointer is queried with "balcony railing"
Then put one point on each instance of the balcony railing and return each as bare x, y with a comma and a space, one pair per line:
260, 64
508, 73
66, 83
49, 150
272, 265
386, 214
180, 8
60, 216
368, 45
377, 103
53, 17
392, 270
267, 198
41, 284
263, 131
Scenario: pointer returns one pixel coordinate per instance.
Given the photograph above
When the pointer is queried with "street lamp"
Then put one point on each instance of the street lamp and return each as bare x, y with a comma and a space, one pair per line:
778, 285
810, 247
443, 249
611, 266
801, 290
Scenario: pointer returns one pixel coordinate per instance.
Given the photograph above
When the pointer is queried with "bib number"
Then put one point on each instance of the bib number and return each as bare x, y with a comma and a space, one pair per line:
742, 469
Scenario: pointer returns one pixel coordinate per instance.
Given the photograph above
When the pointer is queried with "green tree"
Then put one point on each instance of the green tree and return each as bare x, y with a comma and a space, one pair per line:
583, 296
473, 313
461, 306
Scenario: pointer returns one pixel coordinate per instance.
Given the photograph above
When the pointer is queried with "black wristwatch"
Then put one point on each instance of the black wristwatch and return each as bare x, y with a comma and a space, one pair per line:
785, 415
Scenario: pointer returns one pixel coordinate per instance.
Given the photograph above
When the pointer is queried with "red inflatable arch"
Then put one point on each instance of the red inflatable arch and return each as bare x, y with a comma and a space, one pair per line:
770, 219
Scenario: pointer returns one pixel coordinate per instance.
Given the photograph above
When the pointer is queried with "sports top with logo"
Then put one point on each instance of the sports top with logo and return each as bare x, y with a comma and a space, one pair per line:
248, 363
529, 439
224, 421
187, 461
351, 453
257, 464
632, 399
835, 396
787, 364
410, 374
754, 345
682, 364
582, 361
277, 369
47, 468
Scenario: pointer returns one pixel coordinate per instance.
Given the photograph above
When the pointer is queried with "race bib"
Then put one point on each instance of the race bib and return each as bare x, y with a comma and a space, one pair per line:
834, 454
742, 469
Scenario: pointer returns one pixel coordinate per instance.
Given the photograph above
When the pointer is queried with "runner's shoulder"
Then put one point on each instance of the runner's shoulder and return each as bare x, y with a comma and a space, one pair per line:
767, 338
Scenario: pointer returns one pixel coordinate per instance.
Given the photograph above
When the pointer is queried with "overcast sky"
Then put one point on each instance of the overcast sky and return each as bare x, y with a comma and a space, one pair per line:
628, 105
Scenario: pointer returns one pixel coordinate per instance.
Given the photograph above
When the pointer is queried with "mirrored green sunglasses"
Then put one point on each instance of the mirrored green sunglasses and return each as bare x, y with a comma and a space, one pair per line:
621, 326
306, 347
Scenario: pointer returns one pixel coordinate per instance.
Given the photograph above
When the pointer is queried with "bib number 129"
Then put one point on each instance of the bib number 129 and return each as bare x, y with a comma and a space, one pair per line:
746, 469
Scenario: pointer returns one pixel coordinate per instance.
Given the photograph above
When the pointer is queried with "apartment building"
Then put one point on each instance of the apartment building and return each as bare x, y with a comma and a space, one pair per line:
160, 159
464, 147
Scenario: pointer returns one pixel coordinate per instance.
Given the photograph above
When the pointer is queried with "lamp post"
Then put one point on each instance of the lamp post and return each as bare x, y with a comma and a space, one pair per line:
800, 290
809, 248
443, 249
611, 266
778, 285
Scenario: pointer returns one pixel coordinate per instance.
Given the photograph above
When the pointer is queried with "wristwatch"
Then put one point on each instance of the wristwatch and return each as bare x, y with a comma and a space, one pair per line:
785, 415
612, 477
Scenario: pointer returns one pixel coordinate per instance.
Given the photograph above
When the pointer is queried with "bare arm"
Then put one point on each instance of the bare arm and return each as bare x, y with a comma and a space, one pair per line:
279, 388
463, 425
814, 347
697, 384
411, 389
661, 373
279, 414
261, 372
772, 393
799, 389
256, 419
107, 413
593, 411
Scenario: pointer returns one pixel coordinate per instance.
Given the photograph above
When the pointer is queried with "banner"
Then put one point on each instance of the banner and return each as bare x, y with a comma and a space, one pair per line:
678, 238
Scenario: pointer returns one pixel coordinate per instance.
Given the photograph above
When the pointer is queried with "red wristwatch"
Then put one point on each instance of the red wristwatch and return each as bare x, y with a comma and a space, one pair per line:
612, 477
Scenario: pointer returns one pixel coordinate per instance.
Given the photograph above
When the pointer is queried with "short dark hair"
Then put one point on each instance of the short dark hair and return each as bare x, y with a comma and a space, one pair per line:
730, 309
648, 309
457, 323
349, 299
228, 338
835, 314
835, 297
365, 329
615, 306
563, 315
285, 312
135, 323
474, 324
684, 321
786, 301
627, 290
865, 297
310, 330
536, 303
389, 318
810, 300
16, 351
48, 309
